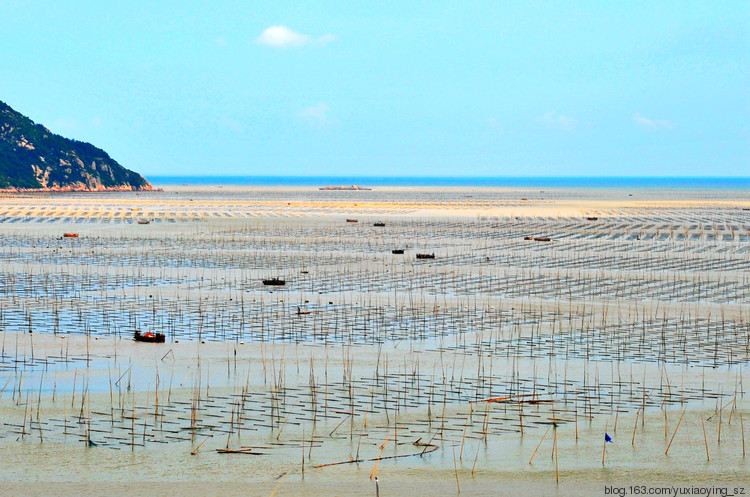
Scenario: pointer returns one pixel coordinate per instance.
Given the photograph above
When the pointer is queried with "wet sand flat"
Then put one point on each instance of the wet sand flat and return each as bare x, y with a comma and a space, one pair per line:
545, 320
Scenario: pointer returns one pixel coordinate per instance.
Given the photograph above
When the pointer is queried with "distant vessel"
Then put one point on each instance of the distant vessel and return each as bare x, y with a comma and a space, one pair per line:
274, 282
351, 220
70, 235
397, 251
343, 187
542, 239
425, 256
143, 221
380, 225
149, 337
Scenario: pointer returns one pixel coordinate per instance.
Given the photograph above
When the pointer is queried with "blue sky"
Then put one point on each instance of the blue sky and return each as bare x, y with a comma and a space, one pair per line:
389, 88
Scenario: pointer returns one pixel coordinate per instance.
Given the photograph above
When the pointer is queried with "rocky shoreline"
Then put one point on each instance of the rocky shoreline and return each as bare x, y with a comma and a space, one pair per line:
81, 189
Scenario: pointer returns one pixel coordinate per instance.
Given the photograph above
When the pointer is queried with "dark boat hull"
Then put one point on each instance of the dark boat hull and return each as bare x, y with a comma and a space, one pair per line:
149, 337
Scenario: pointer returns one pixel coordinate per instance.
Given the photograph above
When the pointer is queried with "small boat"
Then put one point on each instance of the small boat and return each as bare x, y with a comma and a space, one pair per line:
70, 235
351, 221
425, 256
274, 282
592, 218
144, 221
338, 188
528, 238
300, 312
379, 224
149, 337
542, 239
397, 251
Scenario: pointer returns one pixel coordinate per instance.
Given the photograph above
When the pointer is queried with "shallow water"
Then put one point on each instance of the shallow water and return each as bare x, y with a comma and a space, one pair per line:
613, 326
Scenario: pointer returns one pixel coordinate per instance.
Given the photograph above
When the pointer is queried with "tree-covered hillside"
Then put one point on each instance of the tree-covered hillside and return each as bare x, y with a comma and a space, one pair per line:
32, 157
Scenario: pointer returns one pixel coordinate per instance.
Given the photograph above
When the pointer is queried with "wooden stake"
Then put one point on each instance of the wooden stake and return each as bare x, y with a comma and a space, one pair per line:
199, 445
557, 459
705, 440
666, 452
604, 447
283, 477
540, 443
479, 446
455, 468
463, 438
742, 429
374, 471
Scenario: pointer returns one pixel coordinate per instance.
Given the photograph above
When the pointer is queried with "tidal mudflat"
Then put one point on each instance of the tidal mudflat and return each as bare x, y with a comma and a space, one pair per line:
545, 320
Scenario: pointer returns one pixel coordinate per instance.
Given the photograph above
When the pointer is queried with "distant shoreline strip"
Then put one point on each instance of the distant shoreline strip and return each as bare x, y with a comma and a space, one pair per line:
741, 183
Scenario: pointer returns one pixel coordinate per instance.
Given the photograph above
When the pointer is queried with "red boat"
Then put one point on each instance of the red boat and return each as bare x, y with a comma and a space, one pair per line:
149, 337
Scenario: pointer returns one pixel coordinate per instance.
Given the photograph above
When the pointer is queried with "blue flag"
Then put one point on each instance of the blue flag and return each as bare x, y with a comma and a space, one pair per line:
607, 438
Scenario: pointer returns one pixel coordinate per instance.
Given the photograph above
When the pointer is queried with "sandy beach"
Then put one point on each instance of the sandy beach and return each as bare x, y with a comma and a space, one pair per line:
546, 319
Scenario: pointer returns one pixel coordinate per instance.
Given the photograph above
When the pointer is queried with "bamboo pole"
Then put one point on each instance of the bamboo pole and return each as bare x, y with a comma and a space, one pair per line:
455, 469
604, 447
283, 477
540, 443
666, 452
194, 452
705, 440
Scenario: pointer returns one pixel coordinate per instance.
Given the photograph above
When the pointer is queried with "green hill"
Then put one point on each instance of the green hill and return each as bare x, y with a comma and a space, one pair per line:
32, 157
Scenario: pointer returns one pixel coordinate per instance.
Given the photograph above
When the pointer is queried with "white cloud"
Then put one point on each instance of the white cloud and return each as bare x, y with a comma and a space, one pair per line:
283, 37
557, 121
645, 122
316, 116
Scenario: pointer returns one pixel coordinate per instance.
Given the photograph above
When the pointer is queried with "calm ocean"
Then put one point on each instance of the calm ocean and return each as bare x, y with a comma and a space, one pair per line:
733, 183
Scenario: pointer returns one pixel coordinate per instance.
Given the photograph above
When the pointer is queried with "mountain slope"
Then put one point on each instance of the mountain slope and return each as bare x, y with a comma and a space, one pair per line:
32, 157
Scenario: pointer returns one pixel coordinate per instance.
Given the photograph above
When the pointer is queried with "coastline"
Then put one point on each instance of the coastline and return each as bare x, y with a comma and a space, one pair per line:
522, 182
78, 189
177, 203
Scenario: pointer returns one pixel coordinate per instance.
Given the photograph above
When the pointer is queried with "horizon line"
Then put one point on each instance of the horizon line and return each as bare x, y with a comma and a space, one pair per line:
438, 177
